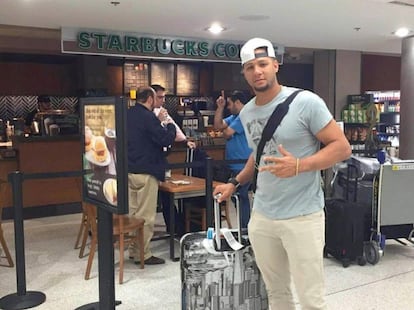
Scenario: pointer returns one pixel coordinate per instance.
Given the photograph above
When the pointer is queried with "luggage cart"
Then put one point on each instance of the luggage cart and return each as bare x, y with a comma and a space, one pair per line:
392, 207
361, 176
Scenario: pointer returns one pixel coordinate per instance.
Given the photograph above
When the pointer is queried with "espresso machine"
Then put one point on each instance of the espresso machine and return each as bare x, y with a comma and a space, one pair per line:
55, 123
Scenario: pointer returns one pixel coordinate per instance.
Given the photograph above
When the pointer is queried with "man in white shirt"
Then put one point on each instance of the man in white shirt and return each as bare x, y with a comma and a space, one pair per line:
163, 116
158, 109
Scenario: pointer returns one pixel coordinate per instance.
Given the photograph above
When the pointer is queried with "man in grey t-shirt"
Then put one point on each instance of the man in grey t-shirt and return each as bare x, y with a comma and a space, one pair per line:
286, 228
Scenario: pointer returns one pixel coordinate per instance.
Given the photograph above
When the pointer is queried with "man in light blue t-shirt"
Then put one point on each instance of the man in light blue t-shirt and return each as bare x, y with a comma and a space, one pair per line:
236, 143
287, 223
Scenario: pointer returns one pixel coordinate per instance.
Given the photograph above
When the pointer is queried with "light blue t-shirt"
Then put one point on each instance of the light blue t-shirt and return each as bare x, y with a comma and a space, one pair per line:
282, 198
236, 146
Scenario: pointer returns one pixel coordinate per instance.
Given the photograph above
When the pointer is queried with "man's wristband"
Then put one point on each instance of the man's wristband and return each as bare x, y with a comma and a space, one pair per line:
234, 182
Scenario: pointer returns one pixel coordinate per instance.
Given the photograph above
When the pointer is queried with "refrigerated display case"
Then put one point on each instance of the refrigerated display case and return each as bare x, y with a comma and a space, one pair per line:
388, 127
360, 118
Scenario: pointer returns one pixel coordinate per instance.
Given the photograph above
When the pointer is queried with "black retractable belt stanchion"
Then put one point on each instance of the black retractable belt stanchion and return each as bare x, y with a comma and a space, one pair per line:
106, 261
209, 192
22, 299
105, 265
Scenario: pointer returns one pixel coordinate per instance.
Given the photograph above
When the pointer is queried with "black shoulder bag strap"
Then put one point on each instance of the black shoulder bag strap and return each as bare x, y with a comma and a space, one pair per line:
269, 129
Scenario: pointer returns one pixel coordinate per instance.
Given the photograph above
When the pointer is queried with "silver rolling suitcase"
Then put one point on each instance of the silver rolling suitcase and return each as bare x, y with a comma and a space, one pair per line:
214, 275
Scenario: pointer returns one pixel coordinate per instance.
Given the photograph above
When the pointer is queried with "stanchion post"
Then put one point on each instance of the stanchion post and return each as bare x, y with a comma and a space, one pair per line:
105, 265
209, 191
22, 299
106, 260
16, 180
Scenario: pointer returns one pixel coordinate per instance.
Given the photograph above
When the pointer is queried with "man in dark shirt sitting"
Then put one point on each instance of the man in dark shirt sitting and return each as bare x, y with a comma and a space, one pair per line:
43, 105
147, 136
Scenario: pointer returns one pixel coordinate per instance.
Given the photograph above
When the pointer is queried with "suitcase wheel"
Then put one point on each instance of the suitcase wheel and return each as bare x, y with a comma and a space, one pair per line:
361, 261
346, 262
371, 251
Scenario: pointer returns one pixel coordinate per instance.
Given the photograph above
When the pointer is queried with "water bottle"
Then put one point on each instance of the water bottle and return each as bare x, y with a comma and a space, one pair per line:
381, 156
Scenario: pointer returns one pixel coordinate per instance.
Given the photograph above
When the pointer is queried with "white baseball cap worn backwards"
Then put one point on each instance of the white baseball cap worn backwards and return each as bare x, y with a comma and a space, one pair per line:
247, 52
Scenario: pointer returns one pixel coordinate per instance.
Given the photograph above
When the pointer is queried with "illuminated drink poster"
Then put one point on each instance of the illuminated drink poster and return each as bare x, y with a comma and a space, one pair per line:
105, 173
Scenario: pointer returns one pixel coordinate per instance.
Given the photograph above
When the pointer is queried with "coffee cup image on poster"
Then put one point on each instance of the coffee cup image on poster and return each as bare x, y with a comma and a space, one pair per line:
100, 152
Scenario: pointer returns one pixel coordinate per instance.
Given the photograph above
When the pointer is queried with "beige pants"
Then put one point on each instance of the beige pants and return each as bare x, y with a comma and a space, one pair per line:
143, 194
291, 249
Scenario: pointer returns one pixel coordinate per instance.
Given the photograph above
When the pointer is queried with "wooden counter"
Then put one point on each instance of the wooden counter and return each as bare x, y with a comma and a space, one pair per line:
60, 154
44, 155
6, 166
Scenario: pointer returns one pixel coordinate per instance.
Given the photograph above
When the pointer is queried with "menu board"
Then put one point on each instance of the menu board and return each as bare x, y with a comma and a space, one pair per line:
105, 173
187, 80
163, 74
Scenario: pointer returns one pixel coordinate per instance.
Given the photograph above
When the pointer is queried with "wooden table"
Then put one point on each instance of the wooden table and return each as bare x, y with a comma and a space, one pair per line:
190, 187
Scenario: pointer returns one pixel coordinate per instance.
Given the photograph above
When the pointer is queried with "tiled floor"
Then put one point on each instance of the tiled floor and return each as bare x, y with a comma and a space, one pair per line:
53, 267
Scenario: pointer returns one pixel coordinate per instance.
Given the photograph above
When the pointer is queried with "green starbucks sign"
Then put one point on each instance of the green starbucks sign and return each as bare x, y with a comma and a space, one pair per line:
145, 46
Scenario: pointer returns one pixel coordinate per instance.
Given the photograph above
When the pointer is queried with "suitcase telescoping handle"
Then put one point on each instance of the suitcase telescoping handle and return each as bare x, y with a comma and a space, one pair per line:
189, 158
351, 167
217, 219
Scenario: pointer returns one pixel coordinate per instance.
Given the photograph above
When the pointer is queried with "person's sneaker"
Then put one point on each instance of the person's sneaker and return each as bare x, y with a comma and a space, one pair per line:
152, 261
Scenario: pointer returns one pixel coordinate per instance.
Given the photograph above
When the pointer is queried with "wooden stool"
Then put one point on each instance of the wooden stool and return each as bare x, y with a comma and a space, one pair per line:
82, 233
126, 229
198, 215
4, 246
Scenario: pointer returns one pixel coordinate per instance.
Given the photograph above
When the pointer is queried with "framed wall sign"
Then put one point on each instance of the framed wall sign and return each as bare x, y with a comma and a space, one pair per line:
105, 165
